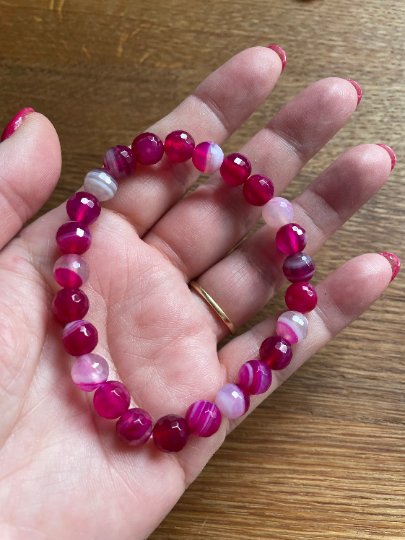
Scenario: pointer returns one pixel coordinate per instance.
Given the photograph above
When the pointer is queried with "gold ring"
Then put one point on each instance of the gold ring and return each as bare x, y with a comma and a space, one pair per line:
214, 306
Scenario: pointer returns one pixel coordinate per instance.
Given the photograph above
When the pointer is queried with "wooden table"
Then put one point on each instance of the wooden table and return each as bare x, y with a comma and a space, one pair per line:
324, 456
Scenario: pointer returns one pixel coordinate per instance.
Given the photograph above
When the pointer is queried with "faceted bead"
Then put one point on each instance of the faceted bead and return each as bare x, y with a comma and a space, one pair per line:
71, 271
278, 212
208, 157
301, 297
258, 189
72, 237
298, 267
235, 169
203, 418
83, 207
292, 326
89, 371
101, 183
134, 427
111, 399
232, 400
148, 148
120, 160
171, 433
394, 261
291, 238
179, 146
79, 337
255, 377
70, 305
276, 352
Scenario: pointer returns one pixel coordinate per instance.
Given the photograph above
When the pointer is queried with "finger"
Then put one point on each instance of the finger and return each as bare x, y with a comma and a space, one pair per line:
202, 228
244, 281
342, 297
30, 162
212, 113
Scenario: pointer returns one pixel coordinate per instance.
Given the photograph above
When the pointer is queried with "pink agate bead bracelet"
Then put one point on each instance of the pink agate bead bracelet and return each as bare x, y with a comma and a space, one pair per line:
79, 337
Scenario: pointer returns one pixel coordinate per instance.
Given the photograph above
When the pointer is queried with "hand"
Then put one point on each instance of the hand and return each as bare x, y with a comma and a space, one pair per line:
64, 473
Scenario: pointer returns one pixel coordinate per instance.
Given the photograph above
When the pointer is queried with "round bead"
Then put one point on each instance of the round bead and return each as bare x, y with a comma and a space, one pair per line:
120, 160
276, 352
258, 190
79, 337
134, 427
83, 207
298, 267
89, 371
301, 297
208, 157
179, 146
291, 238
147, 148
171, 433
71, 271
235, 169
292, 326
232, 400
203, 418
278, 212
111, 399
70, 305
255, 377
101, 183
72, 237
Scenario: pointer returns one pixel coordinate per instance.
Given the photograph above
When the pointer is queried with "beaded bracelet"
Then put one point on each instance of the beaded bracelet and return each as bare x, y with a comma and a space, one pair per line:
79, 337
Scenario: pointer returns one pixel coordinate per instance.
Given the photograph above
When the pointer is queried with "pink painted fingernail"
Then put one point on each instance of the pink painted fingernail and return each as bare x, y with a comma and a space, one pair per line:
394, 262
281, 53
16, 122
358, 90
391, 154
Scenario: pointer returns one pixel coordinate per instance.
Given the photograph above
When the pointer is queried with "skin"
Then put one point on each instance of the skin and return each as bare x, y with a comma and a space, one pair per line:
64, 474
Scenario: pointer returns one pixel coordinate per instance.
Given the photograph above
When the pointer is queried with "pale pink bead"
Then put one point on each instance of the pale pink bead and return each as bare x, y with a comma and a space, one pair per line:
278, 212
89, 371
207, 157
71, 271
292, 326
232, 400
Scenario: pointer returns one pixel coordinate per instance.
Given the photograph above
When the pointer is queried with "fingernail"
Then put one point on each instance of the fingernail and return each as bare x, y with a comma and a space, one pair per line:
281, 53
394, 262
358, 90
391, 154
16, 122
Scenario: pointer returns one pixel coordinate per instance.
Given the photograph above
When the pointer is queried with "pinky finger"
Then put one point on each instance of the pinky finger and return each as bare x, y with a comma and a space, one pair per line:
342, 297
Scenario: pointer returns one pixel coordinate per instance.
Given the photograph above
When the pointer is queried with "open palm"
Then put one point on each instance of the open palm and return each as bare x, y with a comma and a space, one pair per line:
64, 474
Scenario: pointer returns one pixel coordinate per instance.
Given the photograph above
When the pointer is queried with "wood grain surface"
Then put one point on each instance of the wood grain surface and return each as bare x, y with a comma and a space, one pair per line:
323, 457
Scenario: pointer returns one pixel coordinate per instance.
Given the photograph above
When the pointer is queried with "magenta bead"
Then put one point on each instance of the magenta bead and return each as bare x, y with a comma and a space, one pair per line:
255, 377
298, 267
147, 148
232, 400
235, 169
134, 427
276, 352
120, 160
72, 237
79, 337
89, 371
258, 190
301, 297
292, 326
179, 146
111, 399
71, 271
208, 157
69, 305
171, 433
291, 238
83, 207
203, 418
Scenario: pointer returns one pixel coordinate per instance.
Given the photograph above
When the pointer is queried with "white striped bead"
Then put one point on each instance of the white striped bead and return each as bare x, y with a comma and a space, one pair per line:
101, 184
